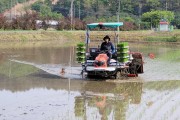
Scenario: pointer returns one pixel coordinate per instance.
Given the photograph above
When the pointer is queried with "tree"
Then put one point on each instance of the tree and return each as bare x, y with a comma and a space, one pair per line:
62, 7
46, 13
176, 21
48, 2
152, 5
3, 20
36, 6
154, 17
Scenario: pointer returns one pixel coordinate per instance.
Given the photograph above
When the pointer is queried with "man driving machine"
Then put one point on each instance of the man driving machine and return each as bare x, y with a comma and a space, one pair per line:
107, 47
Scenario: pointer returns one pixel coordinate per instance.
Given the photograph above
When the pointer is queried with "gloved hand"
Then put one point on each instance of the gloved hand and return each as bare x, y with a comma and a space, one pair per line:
109, 52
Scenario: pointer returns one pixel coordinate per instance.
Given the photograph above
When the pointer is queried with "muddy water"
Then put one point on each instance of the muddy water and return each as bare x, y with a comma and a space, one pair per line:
28, 91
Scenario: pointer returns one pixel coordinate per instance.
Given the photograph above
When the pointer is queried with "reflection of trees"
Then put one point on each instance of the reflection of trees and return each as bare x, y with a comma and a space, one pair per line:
44, 55
40, 79
79, 106
118, 96
132, 90
120, 109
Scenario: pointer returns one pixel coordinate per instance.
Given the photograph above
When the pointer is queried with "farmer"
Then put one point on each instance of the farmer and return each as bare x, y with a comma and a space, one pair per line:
107, 47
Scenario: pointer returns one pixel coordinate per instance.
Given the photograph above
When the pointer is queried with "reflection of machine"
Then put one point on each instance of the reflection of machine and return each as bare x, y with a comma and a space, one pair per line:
94, 61
107, 98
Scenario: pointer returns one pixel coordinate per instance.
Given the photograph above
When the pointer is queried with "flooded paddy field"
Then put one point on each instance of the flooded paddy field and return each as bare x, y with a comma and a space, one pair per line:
30, 87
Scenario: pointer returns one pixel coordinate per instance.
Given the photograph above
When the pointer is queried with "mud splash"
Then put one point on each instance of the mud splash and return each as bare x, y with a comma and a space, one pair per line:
56, 69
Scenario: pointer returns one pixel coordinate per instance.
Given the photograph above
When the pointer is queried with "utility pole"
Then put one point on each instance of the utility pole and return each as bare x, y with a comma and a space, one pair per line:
11, 10
15, 9
74, 11
71, 13
25, 5
139, 12
118, 14
74, 16
79, 10
118, 17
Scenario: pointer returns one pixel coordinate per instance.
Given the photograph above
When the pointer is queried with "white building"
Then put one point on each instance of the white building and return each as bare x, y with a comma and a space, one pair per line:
163, 26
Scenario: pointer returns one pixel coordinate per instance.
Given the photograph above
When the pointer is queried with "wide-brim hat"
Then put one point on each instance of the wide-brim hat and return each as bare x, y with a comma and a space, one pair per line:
107, 37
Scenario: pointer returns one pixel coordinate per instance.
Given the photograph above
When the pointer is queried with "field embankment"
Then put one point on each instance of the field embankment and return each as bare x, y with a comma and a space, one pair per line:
64, 38
11, 39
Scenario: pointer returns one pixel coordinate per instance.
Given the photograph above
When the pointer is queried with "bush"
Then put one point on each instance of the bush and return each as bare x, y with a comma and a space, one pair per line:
145, 25
15, 24
176, 21
7, 25
128, 26
174, 38
25, 22
44, 25
79, 24
64, 23
3, 20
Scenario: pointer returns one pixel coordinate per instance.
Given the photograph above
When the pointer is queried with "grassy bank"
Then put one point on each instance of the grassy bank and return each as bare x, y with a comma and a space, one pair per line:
66, 38
24, 36
18, 39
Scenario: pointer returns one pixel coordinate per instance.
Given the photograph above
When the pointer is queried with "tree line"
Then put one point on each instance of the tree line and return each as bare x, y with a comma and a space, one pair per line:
136, 14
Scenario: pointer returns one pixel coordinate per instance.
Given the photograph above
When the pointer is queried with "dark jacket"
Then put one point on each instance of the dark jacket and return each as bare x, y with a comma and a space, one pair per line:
107, 47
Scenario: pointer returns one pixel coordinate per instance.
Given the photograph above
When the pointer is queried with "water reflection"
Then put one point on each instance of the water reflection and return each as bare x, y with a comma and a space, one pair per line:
110, 100
92, 99
79, 99
42, 55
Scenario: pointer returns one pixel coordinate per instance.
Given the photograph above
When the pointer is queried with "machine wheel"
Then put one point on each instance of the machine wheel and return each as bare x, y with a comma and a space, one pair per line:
118, 75
90, 76
83, 75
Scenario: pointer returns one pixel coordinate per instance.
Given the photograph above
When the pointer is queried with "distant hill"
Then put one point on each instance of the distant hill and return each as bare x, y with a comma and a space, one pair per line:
18, 9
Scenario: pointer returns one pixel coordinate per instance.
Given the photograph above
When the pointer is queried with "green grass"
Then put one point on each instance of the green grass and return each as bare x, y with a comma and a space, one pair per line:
68, 38
13, 70
174, 38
